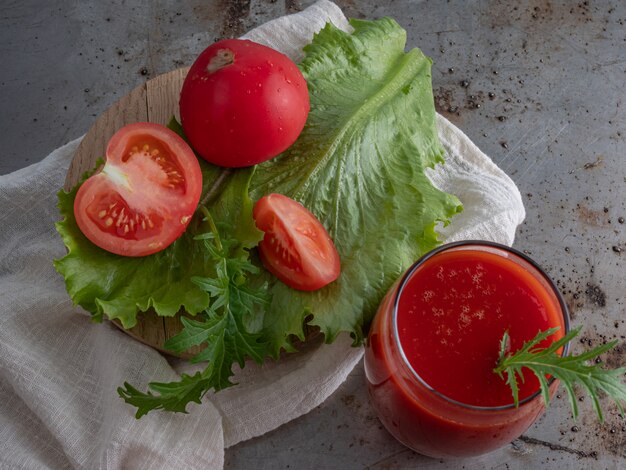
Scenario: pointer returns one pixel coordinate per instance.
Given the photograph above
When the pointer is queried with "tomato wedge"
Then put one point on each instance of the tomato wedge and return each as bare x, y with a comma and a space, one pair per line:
144, 196
296, 247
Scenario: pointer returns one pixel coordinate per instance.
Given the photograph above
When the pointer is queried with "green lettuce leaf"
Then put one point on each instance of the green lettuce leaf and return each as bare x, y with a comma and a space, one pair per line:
120, 287
360, 167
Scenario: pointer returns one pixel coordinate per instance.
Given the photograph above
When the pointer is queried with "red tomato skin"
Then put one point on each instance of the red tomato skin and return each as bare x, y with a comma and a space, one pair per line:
291, 228
171, 213
248, 108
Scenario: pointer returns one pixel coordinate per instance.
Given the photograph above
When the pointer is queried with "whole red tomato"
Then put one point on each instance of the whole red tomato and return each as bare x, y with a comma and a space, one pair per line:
242, 103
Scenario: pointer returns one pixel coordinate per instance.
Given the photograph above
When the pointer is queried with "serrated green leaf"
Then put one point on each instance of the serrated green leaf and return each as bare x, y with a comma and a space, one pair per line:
194, 333
360, 167
173, 396
570, 370
221, 331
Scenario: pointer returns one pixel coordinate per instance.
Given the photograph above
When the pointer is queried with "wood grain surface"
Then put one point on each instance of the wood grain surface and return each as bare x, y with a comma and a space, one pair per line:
154, 101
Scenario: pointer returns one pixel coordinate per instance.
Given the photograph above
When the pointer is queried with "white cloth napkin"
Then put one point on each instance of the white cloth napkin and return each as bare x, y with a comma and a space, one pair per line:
59, 372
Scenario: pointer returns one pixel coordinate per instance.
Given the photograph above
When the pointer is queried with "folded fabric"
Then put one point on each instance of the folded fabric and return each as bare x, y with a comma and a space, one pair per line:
59, 371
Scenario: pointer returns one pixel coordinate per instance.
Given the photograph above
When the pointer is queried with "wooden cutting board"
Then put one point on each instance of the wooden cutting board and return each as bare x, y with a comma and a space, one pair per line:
154, 101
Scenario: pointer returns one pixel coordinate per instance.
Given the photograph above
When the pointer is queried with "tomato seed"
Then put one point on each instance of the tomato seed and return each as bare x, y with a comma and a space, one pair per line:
108, 222
101, 214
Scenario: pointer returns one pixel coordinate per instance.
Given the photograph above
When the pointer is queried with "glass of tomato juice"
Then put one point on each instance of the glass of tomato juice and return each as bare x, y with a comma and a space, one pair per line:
435, 341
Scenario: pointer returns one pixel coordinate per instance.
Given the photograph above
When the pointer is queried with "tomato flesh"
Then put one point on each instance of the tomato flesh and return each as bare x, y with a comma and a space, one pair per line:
242, 103
144, 196
296, 247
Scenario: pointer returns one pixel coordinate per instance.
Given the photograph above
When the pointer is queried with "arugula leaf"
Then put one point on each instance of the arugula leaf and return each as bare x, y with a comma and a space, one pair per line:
569, 370
221, 328
173, 396
360, 167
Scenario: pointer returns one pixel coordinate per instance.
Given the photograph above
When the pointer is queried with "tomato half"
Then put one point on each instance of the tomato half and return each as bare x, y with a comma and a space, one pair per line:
144, 196
242, 103
296, 247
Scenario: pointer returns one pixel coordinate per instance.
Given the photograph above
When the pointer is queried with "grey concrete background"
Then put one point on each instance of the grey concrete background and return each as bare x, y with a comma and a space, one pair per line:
538, 85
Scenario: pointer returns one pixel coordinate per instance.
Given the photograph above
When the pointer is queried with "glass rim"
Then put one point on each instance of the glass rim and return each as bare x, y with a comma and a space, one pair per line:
404, 281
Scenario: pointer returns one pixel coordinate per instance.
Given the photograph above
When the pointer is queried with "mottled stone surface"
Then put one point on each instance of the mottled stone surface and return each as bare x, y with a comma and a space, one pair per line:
538, 85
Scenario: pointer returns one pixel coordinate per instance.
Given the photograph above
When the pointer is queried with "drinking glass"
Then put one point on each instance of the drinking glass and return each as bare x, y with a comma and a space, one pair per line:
418, 415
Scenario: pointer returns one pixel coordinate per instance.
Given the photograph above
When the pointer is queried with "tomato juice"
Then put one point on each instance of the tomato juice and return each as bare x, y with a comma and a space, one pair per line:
435, 341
